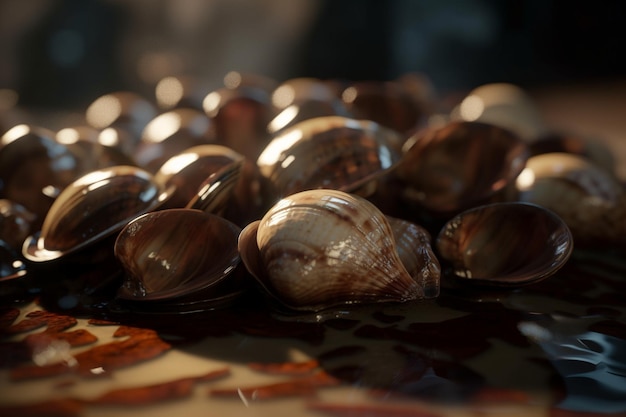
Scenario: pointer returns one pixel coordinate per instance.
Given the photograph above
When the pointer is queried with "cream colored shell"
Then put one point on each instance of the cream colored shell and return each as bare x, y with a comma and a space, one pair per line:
324, 247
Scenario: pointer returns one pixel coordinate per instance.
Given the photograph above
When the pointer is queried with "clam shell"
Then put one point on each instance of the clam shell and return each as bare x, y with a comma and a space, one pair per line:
321, 248
240, 114
504, 244
586, 196
16, 223
503, 104
123, 110
304, 110
93, 207
169, 254
34, 168
189, 169
387, 103
170, 133
214, 193
598, 152
453, 167
331, 152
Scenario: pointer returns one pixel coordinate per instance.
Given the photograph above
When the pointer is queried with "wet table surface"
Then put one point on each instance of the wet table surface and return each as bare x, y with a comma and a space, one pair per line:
556, 348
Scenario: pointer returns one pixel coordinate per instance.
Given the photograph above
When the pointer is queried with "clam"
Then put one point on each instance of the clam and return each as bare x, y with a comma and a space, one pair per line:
322, 248
188, 169
329, 152
91, 208
595, 150
240, 112
180, 91
387, 103
125, 111
170, 133
84, 142
304, 89
503, 104
586, 196
180, 256
308, 109
303, 98
16, 223
34, 168
450, 168
504, 244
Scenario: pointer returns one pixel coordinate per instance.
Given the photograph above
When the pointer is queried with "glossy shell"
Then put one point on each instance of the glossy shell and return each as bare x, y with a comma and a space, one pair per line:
124, 110
169, 254
322, 248
16, 223
34, 168
305, 110
587, 197
329, 152
504, 244
84, 142
387, 103
93, 207
459, 165
214, 194
189, 169
170, 133
503, 104
240, 116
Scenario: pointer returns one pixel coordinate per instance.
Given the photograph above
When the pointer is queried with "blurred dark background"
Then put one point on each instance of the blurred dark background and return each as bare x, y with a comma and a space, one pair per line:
65, 53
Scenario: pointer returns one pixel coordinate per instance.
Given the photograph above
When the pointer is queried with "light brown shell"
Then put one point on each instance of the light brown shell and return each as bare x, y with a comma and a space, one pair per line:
586, 196
322, 248
413, 244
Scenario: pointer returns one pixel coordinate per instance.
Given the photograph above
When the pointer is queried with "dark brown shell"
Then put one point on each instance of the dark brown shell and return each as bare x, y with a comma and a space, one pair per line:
170, 133
93, 207
34, 168
240, 116
504, 244
189, 169
453, 167
387, 103
330, 152
169, 254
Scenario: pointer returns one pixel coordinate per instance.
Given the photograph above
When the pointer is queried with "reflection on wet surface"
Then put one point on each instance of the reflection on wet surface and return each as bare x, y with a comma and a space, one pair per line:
558, 345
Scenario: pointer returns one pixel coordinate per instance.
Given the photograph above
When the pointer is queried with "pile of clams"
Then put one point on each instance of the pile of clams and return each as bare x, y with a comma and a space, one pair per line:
311, 194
